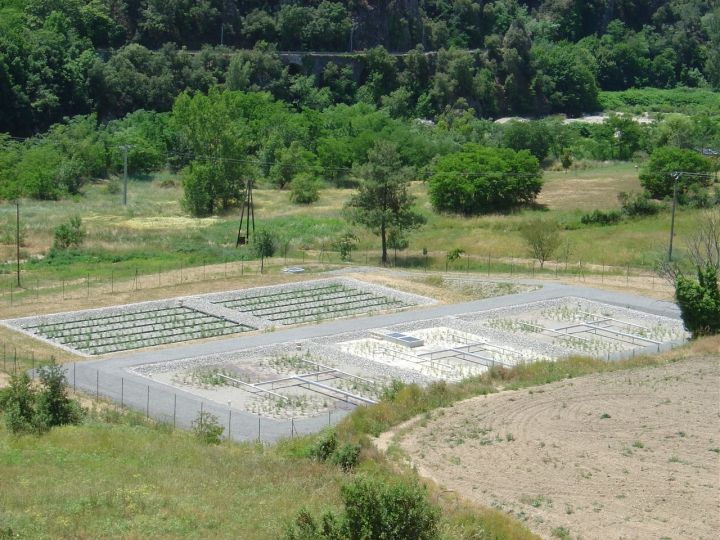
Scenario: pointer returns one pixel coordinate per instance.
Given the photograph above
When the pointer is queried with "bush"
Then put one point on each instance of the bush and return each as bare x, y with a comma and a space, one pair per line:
392, 511
374, 509
638, 204
28, 410
325, 445
346, 457
52, 406
207, 428
70, 234
114, 186
699, 302
542, 238
479, 179
599, 217
304, 189
657, 177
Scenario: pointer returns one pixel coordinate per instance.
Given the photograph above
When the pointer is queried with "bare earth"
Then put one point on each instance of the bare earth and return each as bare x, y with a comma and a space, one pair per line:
630, 454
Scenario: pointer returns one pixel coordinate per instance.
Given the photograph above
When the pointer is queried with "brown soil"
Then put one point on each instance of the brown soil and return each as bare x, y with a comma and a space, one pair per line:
629, 454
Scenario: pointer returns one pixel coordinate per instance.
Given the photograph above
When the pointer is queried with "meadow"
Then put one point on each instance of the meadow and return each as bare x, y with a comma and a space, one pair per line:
153, 233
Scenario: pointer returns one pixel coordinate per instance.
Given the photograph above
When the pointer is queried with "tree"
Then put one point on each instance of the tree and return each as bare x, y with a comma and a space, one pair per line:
699, 301
531, 136
264, 246
304, 188
657, 178
383, 200
542, 238
566, 79
70, 234
478, 179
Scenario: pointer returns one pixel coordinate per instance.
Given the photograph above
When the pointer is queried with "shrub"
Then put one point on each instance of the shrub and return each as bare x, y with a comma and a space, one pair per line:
345, 245
325, 445
657, 178
374, 509
264, 246
599, 217
304, 189
699, 301
53, 407
29, 410
392, 511
346, 457
542, 238
479, 179
113, 186
207, 428
70, 234
638, 204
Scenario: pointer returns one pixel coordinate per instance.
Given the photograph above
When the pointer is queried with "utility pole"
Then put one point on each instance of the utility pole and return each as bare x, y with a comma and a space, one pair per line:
17, 238
125, 149
676, 176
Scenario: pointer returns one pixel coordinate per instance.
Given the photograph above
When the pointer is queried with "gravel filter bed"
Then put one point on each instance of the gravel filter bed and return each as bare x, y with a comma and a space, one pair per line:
133, 326
117, 328
271, 362
514, 321
316, 300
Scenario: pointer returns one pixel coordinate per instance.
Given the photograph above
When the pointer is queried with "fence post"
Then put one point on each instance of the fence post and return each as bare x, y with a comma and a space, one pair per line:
15, 361
112, 282
258, 427
229, 424
87, 281
97, 385
292, 428
74, 377
122, 392
174, 411
63, 289
329, 417
147, 406
136, 278
4, 356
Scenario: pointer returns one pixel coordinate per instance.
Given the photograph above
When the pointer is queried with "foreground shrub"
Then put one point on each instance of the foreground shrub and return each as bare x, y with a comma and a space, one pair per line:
207, 428
375, 509
28, 410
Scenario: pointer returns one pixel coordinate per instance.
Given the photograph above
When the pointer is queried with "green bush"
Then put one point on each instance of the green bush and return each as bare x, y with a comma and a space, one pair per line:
599, 217
207, 428
638, 204
479, 179
657, 176
304, 189
375, 509
70, 234
325, 445
53, 407
699, 302
346, 457
29, 410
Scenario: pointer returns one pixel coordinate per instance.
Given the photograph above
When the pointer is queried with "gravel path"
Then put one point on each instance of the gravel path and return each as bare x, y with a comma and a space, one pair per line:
114, 378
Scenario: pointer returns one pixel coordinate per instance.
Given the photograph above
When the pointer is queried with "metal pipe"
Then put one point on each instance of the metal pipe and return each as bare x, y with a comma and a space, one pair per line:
342, 392
237, 381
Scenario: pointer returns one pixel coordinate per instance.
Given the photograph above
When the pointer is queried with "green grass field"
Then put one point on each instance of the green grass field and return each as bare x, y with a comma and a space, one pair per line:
153, 233
118, 476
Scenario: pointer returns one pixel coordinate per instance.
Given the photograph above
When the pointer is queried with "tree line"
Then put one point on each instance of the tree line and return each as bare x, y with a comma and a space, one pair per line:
112, 57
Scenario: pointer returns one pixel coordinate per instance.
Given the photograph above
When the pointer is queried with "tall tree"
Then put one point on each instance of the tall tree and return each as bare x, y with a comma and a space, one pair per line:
383, 201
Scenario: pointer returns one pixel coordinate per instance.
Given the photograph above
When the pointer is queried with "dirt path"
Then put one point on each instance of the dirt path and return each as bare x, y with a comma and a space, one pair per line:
630, 454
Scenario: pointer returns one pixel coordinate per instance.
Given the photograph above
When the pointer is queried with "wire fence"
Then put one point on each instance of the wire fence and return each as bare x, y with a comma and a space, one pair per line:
165, 404
108, 283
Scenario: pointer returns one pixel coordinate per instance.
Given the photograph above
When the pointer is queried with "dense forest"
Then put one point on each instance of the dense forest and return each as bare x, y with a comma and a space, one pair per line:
415, 58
